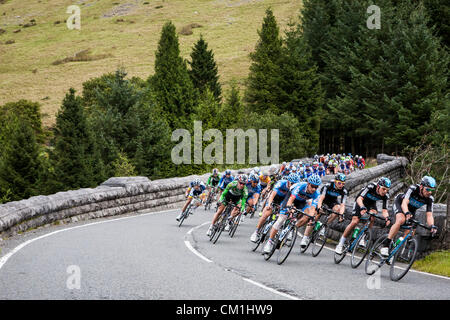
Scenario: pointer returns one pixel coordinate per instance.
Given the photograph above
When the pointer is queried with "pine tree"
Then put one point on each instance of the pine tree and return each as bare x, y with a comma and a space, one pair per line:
171, 84
19, 160
262, 82
75, 157
300, 91
204, 72
317, 17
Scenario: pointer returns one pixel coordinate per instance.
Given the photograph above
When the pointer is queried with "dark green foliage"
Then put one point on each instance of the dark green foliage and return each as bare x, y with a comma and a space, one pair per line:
27, 111
262, 82
171, 84
75, 158
19, 160
128, 122
233, 110
204, 73
292, 142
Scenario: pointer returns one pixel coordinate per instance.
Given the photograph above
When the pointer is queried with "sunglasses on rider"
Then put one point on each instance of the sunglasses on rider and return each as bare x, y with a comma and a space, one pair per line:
241, 183
313, 186
339, 183
429, 189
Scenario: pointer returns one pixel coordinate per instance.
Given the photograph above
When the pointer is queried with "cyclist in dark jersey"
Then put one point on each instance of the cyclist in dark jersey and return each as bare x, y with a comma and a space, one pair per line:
213, 181
406, 205
366, 200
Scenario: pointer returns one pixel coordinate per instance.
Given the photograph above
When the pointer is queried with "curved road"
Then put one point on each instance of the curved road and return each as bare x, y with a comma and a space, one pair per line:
148, 256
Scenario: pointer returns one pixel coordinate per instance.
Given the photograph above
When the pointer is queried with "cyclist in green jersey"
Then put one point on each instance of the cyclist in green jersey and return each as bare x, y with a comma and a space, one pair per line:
237, 192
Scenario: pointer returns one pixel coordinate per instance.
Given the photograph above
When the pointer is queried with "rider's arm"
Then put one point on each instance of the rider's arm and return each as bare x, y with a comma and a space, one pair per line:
359, 201
244, 199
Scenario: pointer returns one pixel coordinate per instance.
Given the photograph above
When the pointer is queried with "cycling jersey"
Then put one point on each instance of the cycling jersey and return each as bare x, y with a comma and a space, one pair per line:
332, 194
194, 192
224, 181
253, 190
370, 197
213, 180
416, 200
281, 188
302, 197
232, 190
264, 181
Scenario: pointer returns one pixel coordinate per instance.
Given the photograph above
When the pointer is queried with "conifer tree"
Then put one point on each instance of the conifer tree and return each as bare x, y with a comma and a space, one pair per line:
19, 160
204, 72
262, 83
75, 157
171, 84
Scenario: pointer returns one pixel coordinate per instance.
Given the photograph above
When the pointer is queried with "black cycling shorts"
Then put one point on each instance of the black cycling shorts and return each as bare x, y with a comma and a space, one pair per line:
397, 207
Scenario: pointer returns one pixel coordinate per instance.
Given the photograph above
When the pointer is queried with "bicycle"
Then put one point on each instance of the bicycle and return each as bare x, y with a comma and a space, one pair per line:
211, 197
221, 222
320, 233
359, 243
286, 236
189, 210
404, 251
264, 230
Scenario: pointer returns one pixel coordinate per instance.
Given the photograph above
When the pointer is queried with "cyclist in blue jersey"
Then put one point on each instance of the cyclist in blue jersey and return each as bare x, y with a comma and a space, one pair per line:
302, 195
321, 170
224, 181
279, 192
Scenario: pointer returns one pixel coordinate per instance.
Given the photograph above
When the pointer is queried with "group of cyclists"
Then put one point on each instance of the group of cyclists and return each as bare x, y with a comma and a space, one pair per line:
293, 186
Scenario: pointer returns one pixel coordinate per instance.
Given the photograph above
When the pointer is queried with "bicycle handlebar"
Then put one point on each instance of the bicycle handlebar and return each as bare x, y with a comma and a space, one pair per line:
303, 213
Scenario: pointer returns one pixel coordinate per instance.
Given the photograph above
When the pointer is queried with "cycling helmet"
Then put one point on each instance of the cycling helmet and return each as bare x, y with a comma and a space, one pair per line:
215, 171
293, 178
273, 168
265, 173
340, 177
253, 177
428, 181
196, 182
257, 170
242, 178
227, 172
384, 182
315, 180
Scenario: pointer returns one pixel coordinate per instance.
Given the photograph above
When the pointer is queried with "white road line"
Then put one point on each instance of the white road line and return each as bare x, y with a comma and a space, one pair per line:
190, 247
7, 256
410, 270
270, 289
188, 244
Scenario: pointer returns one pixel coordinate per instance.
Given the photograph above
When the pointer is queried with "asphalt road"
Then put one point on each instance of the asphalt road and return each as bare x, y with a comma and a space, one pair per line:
148, 256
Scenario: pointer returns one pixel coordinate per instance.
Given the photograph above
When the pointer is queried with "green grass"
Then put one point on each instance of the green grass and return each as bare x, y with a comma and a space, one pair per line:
26, 70
437, 262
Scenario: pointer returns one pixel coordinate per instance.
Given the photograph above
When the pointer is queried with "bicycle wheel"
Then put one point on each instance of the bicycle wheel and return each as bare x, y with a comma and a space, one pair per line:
235, 223
375, 260
360, 250
184, 215
223, 219
319, 240
339, 257
287, 244
404, 259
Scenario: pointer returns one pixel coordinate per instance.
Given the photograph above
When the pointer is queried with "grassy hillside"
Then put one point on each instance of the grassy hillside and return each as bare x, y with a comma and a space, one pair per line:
119, 33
